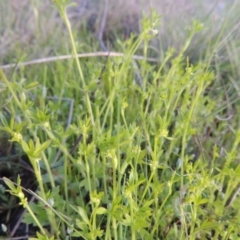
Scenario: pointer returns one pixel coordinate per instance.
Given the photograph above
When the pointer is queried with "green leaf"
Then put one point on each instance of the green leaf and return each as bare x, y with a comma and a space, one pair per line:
32, 85
124, 166
10, 184
83, 226
25, 147
202, 201
42, 237
170, 138
101, 211
42, 147
127, 221
83, 214
40, 213
205, 226
31, 146
145, 234
3, 120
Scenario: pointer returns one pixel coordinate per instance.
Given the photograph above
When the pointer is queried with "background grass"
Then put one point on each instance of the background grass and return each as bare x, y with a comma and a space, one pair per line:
115, 155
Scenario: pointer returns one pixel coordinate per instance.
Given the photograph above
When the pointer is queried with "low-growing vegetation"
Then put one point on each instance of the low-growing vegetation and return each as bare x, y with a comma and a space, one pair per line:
134, 144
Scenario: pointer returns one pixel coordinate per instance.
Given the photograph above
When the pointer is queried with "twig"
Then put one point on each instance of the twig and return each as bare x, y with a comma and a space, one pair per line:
17, 238
82, 55
76, 143
103, 23
233, 197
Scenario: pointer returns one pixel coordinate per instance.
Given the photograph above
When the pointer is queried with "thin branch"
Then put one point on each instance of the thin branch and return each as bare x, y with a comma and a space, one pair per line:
103, 23
82, 55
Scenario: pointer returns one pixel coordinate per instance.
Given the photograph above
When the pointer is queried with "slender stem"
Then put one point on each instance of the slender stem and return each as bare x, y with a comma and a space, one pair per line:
35, 219
67, 22
4, 78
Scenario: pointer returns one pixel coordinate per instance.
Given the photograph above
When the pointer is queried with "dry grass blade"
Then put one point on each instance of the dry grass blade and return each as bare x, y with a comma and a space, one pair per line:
82, 55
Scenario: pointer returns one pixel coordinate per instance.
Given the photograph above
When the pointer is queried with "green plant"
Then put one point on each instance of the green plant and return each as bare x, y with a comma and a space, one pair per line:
136, 160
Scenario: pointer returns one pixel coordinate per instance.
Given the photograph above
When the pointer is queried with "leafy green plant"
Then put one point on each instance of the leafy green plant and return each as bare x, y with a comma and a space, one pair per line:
118, 158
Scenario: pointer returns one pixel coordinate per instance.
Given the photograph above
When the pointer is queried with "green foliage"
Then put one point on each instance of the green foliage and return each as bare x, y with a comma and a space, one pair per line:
139, 160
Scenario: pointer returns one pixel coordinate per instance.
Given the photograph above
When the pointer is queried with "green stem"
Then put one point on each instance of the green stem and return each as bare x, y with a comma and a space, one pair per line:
67, 22
35, 219
184, 140
5, 80
162, 205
